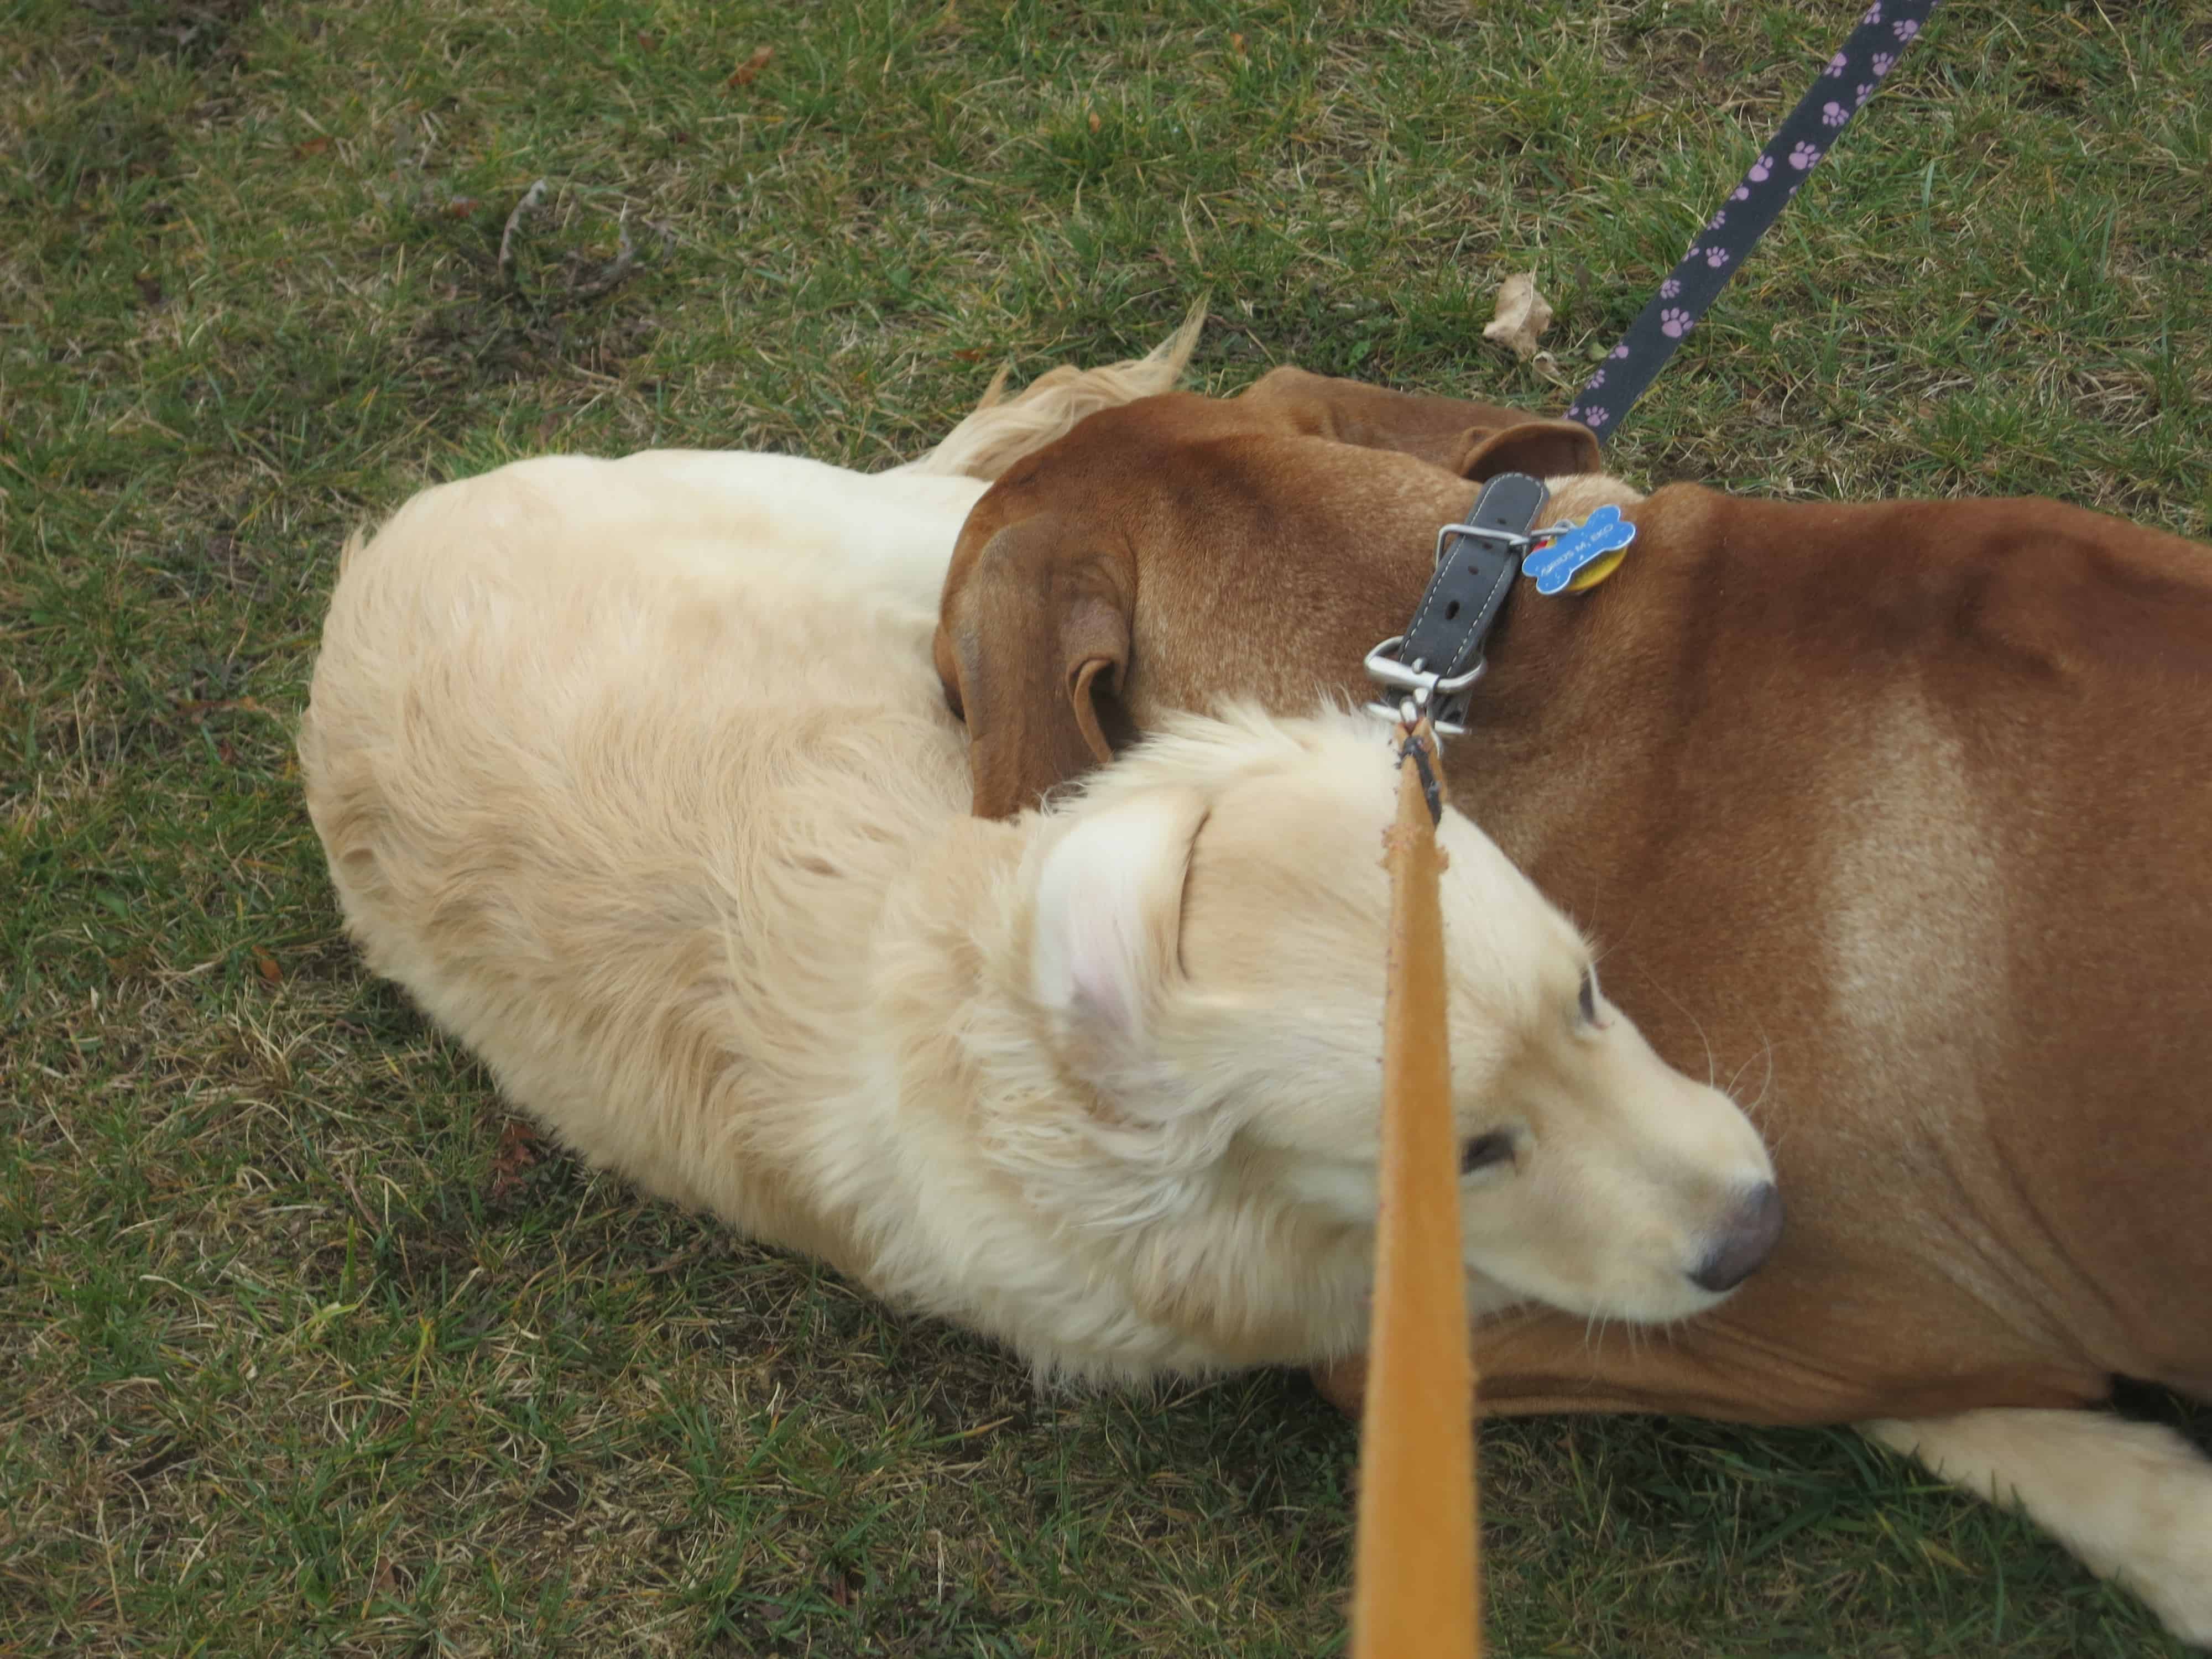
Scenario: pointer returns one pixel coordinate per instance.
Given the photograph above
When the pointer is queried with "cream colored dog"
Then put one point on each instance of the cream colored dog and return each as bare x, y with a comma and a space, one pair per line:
636, 775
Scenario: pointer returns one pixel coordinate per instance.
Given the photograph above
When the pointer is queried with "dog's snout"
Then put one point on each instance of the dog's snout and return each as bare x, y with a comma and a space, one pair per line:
1748, 1239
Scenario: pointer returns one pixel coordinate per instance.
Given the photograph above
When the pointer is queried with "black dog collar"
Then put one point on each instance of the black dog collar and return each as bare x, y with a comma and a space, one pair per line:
1434, 664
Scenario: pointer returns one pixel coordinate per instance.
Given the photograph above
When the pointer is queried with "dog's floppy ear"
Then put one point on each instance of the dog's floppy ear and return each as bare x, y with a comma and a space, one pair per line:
1434, 430
1543, 449
1108, 922
1031, 645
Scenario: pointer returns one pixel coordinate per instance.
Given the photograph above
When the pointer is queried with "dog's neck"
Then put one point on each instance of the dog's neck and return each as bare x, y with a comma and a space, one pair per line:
1538, 640
1553, 715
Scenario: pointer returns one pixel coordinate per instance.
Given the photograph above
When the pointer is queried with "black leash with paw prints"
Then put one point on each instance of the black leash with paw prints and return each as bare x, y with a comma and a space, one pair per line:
1844, 88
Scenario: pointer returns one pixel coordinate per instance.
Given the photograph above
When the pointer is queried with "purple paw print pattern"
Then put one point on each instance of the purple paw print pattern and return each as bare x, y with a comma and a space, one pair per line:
1886, 29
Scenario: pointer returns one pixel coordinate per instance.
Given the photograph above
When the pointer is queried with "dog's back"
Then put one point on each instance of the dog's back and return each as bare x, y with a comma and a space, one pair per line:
1935, 778
612, 761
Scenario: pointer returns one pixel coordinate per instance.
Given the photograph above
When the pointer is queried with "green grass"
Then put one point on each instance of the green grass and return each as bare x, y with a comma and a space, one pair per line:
291, 1362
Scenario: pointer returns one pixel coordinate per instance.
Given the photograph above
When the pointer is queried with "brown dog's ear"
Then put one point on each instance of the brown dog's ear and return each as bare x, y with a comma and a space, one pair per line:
1543, 449
1031, 645
1435, 429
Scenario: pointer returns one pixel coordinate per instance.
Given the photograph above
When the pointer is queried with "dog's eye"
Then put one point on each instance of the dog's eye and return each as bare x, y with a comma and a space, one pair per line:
1590, 996
1482, 1151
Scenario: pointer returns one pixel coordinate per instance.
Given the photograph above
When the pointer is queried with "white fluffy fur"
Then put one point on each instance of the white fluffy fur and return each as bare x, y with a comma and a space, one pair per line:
637, 776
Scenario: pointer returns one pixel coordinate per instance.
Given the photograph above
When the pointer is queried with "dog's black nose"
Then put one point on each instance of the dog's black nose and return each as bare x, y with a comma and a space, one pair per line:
1748, 1241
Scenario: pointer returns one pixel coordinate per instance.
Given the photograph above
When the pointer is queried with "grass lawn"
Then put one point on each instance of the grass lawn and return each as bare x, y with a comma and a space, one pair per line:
300, 1351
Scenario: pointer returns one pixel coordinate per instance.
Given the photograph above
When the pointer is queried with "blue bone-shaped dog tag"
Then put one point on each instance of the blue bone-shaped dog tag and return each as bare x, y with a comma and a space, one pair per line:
1604, 533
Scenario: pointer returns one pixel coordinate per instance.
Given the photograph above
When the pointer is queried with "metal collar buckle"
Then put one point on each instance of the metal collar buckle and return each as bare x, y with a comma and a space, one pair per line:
1475, 565
1421, 689
1519, 544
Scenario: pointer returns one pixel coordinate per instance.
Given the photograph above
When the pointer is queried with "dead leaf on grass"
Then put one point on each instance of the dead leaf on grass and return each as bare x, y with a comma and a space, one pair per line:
1522, 315
747, 72
520, 1149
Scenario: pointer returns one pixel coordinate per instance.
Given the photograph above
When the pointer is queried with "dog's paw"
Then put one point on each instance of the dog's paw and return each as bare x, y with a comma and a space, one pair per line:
2133, 1500
2174, 1575
2142, 1500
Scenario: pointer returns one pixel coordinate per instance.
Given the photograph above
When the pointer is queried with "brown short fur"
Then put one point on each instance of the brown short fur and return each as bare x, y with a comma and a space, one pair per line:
1895, 816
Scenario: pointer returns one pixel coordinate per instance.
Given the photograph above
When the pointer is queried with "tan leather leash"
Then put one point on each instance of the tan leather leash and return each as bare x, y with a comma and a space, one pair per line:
1417, 1563
1417, 1584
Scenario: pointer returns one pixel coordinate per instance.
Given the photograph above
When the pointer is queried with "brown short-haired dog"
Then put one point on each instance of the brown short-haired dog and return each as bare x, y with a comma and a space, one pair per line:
1895, 814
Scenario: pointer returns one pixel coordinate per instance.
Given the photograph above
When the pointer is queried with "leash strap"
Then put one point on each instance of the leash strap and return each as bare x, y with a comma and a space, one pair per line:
1853, 76
1437, 659
1416, 1588
1417, 1549
1419, 747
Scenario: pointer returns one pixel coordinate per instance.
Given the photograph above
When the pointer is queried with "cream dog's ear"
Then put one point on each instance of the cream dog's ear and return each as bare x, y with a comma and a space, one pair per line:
1108, 920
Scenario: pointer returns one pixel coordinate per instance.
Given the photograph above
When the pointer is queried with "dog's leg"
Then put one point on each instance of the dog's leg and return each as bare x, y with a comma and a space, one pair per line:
2133, 1500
